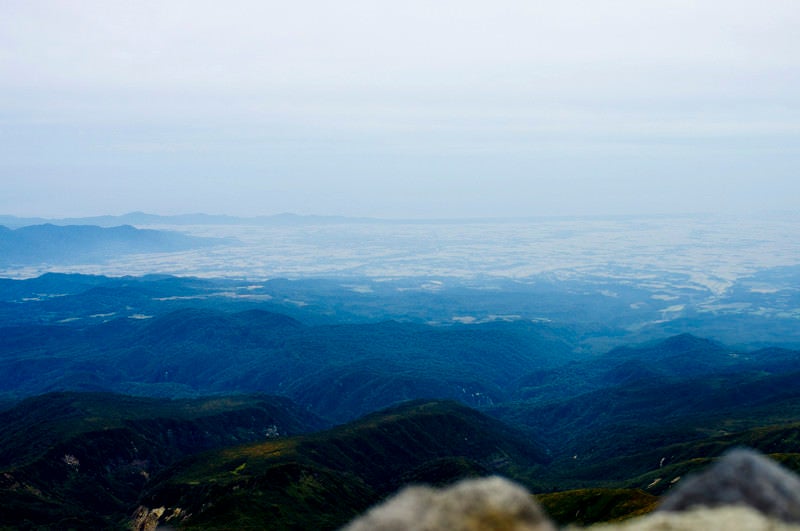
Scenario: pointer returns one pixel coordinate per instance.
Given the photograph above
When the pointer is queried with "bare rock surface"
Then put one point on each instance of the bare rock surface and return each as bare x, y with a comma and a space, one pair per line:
741, 477
489, 504
728, 518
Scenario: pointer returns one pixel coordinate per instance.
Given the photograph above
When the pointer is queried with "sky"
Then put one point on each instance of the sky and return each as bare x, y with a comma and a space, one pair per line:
416, 109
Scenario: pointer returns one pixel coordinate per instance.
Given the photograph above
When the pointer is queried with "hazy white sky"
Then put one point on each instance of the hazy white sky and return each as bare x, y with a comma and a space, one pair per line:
432, 108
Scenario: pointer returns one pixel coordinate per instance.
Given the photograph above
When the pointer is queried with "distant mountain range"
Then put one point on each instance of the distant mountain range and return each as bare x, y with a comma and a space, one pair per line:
340, 371
75, 244
286, 218
144, 219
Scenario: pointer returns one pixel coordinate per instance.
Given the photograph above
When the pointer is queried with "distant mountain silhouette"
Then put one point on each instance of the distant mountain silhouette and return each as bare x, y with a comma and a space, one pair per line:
143, 218
55, 244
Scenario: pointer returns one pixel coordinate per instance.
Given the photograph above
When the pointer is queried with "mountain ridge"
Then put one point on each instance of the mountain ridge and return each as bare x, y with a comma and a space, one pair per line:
82, 459
315, 478
70, 244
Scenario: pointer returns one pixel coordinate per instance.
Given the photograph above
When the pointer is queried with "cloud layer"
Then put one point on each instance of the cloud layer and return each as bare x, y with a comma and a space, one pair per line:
398, 109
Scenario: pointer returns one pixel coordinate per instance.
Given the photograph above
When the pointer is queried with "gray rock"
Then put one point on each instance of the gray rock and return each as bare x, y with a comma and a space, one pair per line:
728, 518
488, 504
741, 477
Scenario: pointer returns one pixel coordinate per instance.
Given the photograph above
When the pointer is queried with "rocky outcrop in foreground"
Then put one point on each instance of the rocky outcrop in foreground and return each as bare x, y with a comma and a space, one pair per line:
491, 503
743, 491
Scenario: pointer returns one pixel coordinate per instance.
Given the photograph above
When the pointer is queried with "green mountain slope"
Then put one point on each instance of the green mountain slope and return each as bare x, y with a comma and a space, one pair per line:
619, 419
83, 458
589, 506
341, 371
320, 481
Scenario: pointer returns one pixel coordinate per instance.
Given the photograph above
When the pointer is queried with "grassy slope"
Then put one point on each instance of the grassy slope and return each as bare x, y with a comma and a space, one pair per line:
324, 479
86, 457
589, 506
